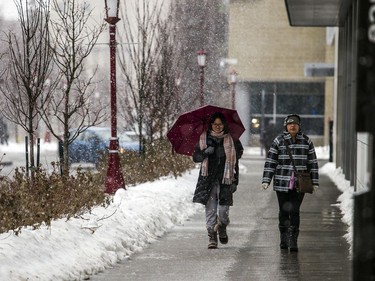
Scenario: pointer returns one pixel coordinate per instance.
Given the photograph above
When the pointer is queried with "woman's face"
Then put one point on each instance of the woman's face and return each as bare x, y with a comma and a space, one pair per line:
292, 129
217, 126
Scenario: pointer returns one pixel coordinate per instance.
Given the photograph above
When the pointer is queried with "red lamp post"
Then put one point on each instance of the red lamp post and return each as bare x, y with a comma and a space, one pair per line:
202, 63
232, 81
114, 179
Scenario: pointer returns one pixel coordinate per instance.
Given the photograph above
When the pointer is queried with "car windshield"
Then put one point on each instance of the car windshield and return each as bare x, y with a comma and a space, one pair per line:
105, 134
125, 137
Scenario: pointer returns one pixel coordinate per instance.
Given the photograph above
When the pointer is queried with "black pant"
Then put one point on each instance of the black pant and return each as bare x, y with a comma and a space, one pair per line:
289, 205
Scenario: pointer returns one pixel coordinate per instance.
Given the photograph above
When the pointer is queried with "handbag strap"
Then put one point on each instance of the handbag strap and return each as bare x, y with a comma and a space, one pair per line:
290, 155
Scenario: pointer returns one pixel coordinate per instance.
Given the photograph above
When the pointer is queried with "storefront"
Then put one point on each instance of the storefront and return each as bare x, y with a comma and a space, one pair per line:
354, 109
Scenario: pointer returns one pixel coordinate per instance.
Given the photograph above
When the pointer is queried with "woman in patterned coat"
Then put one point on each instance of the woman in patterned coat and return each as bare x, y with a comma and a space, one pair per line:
278, 166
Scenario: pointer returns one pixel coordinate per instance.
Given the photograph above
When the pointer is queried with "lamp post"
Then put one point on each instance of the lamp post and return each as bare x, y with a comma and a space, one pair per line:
202, 63
232, 81
114, 179
178, 83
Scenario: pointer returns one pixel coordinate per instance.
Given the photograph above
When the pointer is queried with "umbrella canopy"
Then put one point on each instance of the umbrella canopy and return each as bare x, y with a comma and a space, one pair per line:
185, 132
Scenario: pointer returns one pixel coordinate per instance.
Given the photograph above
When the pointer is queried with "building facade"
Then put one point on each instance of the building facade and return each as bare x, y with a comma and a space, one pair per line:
281, 70
354, 115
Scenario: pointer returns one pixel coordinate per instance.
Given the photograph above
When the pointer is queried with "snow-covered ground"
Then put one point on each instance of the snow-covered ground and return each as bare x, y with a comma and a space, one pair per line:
137, 217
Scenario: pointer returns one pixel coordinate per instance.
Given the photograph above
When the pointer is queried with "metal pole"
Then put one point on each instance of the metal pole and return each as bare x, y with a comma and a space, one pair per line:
262, 122
27, 155
112, 39
114, 178
233, 95
61, 155
202, 83
38, 152
274, 108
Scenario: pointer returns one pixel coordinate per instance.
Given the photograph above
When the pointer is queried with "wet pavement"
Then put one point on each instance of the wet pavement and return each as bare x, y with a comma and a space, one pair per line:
253, 250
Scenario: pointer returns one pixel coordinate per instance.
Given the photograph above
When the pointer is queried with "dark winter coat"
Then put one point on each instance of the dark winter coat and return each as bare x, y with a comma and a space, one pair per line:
279, 166
216, 164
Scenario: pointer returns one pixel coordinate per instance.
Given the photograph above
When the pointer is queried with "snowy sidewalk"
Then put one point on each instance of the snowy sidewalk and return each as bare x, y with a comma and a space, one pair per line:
144, 235
253, 250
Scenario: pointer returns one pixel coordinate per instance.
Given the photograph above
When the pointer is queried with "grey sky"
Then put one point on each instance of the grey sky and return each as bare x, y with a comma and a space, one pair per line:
8, 10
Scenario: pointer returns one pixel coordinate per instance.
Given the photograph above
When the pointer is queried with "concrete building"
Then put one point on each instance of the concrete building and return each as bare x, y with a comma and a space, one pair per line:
282, 70
354, 115
316, 57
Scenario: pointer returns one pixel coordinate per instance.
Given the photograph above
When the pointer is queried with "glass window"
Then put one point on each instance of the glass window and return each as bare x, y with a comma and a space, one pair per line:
273, 101
310, 126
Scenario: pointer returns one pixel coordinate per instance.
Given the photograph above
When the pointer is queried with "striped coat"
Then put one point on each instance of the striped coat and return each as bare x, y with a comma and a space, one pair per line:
278, 165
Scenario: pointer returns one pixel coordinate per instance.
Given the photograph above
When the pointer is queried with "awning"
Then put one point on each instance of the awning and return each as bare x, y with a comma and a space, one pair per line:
315, 12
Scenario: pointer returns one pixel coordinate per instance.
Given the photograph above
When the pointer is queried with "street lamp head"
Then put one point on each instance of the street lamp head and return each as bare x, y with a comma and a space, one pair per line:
178, 80
233, 76
201, 58
112, 11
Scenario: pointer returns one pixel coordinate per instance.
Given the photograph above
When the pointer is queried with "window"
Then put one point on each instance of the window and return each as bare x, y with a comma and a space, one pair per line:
274, 101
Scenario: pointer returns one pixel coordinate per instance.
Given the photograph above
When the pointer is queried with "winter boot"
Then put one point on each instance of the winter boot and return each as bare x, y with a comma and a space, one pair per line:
284, 239
223, 236
212, 240
293, 236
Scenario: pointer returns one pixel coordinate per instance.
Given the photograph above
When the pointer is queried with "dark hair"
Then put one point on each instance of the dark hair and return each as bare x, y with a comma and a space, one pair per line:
223, 120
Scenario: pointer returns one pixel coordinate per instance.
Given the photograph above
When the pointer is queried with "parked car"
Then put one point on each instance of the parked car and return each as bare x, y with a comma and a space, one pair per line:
94, 141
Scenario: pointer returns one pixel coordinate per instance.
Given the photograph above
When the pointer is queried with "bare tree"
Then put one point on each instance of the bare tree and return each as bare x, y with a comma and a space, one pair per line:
72, 104
30, 65
157, 49
147, 64
164, 102
202, 24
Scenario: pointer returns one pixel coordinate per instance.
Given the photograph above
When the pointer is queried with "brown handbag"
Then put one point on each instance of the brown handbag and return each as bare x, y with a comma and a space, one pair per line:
304, 181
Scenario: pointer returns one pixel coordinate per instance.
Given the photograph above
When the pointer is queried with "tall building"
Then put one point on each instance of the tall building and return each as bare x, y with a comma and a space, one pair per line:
282, 69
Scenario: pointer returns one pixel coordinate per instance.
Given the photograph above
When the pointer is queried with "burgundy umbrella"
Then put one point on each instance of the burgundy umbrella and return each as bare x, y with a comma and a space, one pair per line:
185, 132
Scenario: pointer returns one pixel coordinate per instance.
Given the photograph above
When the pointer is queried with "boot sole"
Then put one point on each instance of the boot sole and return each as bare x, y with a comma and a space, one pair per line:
212, 246
223, 240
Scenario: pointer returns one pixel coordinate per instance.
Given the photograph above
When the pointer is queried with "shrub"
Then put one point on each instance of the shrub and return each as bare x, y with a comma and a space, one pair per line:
157, 160
47, 196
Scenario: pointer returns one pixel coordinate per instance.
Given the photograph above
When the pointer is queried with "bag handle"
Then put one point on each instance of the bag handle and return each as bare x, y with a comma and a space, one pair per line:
290, 155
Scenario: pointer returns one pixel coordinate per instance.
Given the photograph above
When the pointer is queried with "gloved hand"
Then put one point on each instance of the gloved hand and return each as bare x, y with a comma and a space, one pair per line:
315, 188
209, 150
233, 187
265, 185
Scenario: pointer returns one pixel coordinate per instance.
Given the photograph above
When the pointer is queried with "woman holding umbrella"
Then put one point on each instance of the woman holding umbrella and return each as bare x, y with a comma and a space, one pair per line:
218, 154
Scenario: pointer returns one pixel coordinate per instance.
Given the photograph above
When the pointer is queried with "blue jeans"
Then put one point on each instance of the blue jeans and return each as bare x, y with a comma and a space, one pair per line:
289, 205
